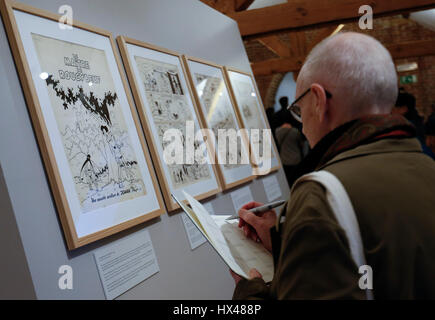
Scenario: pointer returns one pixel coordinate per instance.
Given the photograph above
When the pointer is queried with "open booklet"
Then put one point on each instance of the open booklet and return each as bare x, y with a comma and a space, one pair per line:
239, 253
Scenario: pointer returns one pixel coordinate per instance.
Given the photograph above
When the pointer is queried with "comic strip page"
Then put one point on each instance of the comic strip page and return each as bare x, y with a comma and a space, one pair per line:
218, 113
170, 110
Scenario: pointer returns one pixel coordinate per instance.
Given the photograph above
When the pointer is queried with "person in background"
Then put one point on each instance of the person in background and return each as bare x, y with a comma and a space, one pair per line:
430, 131
269, 114
292, 146
279, 118
432, 115
405, 106
346, 91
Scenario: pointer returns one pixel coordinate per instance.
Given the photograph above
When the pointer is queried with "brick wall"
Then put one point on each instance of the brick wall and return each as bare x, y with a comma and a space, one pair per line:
391, 30
424, 89
388, 30
257, 52
265, 85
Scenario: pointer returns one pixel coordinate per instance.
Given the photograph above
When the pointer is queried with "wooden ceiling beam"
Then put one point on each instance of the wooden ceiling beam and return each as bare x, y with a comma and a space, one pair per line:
411, 49
228, 6
298, 47
274, 44
278, 65
298, 43
298, 14
320, 35
223, 6
241, 5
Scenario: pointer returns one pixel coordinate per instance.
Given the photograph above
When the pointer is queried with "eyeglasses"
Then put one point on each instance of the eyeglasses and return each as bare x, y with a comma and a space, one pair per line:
295, 110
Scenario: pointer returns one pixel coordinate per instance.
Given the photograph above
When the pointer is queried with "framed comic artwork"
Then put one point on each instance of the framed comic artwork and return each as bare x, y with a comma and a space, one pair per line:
217, 113
164, 100
251, 112
95, 155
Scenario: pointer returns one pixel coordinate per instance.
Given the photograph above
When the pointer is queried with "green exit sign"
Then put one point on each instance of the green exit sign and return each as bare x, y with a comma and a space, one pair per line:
408, 79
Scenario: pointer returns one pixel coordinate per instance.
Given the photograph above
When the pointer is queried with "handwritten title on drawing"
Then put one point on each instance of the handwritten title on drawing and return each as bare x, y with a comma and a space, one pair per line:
115, 194
78, 75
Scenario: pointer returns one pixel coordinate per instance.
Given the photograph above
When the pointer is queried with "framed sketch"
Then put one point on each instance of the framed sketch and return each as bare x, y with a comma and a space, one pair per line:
164, 101
96, 159
251, 111
217, 113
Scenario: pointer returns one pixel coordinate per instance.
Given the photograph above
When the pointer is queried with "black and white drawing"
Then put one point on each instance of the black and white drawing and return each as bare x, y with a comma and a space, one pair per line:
218, 113
247, 101
170, 110
91, 123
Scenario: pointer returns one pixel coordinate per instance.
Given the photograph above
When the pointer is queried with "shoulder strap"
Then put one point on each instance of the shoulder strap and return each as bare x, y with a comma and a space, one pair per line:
343, 210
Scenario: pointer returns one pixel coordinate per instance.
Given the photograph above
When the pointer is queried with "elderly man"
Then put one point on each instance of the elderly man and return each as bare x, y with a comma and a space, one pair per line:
347, 89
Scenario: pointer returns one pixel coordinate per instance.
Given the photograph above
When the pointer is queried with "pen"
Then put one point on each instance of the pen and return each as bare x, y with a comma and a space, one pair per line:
263, 208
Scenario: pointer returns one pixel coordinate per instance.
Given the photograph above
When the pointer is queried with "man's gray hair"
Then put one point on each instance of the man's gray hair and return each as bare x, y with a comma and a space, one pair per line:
357, 64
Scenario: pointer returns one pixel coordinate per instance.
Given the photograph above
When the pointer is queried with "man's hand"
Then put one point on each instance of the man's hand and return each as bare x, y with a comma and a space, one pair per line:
253, 273
256, 227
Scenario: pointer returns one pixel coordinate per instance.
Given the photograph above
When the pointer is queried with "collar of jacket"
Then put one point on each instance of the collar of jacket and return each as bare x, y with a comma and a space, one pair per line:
353, 134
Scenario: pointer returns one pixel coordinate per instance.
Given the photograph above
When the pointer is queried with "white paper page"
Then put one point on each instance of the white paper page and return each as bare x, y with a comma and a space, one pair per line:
272, 188
241, 197
215, 236
237, 251
246, 252
193, 234
125, 263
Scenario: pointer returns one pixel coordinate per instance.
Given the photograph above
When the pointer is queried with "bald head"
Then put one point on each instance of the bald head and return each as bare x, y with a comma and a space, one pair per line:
350, 75
358, 71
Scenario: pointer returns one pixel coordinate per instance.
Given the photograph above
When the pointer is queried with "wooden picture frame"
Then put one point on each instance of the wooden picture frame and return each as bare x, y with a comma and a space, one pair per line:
249, 80
214, 102
145, 60
113, 190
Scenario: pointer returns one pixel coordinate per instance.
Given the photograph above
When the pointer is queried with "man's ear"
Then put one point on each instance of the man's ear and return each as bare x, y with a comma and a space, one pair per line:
320, 102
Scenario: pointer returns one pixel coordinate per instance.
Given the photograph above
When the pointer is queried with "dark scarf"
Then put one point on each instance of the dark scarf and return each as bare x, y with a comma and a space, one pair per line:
353, 134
